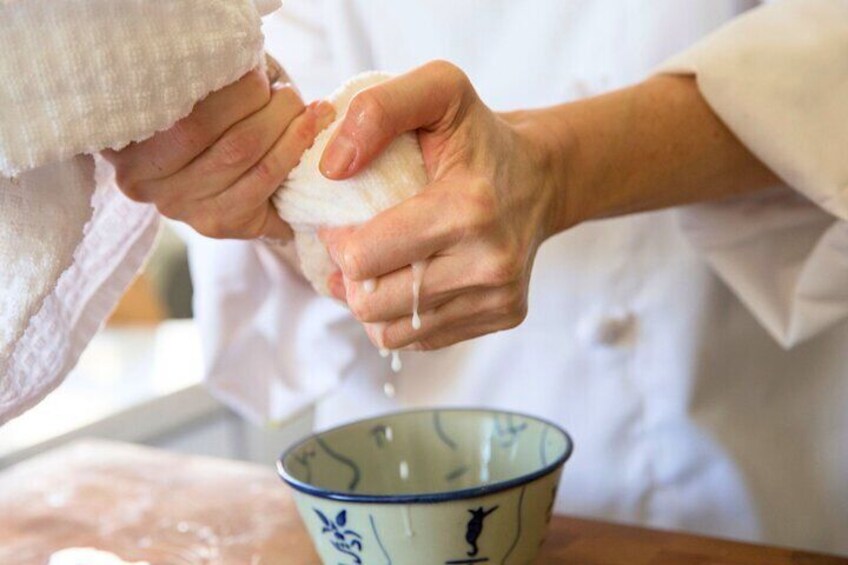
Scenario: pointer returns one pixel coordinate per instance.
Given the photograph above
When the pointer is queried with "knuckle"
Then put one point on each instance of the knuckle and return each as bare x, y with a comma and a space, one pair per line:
290, 97
353, 259
512, 307
392, 338
517, 318
135, 190
428, 345
256, 82
267, 171
122, 170
368, 105
481, 206
501, 269
360, 308
188, 135
207, 222
448, 71
238, 148
171, 209
451, 81
126, 182
397, 336
209, 227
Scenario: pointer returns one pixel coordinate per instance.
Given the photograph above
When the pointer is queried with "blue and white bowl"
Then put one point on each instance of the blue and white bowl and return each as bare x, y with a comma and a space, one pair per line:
429, 487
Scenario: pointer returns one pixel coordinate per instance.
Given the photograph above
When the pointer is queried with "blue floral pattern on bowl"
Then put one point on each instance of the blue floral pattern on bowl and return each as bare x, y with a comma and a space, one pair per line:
346, 541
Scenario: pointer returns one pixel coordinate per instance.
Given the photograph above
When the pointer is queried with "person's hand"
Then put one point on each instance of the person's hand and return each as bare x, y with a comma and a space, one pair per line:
217, 168
478, 223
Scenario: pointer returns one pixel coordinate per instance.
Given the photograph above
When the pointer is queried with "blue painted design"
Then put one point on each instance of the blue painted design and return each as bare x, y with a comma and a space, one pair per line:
549, 512
518, 528
543, 447
379, 541
508, 435
345, 541
380, 435
303, 458
440, 431
344, 461
475, 528
456, 473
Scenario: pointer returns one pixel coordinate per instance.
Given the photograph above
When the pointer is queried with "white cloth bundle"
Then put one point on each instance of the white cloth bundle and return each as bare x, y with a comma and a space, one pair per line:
307, 200
79, 77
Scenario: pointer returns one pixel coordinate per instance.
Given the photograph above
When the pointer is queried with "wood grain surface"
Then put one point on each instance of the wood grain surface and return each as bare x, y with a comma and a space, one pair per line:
169, 509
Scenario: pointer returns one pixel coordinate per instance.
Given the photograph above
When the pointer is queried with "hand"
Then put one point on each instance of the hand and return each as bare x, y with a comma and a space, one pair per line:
217, 168
478, 223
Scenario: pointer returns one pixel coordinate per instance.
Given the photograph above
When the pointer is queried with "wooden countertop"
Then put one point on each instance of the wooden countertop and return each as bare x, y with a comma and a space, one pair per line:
169, 509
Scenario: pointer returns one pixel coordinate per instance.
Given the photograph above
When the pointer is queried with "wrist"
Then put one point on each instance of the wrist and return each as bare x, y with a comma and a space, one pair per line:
548, 150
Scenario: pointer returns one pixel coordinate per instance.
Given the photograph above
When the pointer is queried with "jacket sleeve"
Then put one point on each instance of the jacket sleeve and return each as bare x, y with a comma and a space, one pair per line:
778, 77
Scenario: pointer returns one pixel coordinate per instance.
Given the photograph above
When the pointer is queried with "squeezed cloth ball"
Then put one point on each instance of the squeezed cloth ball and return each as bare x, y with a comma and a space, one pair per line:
307, 200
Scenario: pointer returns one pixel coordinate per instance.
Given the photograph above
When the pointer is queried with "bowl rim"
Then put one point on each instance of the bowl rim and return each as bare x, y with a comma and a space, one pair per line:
416, 498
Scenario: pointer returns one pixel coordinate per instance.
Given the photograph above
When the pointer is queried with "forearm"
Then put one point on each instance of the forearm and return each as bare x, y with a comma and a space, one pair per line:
646, 147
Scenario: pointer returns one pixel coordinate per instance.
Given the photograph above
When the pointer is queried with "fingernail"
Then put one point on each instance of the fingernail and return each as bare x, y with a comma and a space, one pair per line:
324, 115
338, 157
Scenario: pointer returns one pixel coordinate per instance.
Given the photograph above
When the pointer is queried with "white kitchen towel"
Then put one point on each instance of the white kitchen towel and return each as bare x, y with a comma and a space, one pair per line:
308, 200
80, 76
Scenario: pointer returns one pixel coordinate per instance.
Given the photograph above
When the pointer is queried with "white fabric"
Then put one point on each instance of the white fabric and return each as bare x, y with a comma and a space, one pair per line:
308, 200
70, 294
689, 414
103, 73
79, 77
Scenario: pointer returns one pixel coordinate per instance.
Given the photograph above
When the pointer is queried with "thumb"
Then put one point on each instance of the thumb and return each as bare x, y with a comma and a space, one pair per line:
425, 98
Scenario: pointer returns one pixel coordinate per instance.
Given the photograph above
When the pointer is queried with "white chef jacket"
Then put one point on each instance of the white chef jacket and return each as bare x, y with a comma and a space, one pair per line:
697, 356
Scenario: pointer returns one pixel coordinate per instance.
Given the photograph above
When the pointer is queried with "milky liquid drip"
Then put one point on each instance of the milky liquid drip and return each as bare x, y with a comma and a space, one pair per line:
407, 521
417, 278
370, 286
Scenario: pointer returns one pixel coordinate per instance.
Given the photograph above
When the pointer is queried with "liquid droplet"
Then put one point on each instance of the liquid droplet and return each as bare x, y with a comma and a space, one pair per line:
417, 278
389, 389
370, 285
396, 363
407, 522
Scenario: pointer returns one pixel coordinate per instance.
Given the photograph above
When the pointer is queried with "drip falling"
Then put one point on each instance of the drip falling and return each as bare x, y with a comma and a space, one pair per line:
417, 277
370, 286
407, 521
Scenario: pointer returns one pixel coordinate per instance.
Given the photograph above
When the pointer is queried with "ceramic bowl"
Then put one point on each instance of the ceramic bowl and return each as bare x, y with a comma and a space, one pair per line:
429, 487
